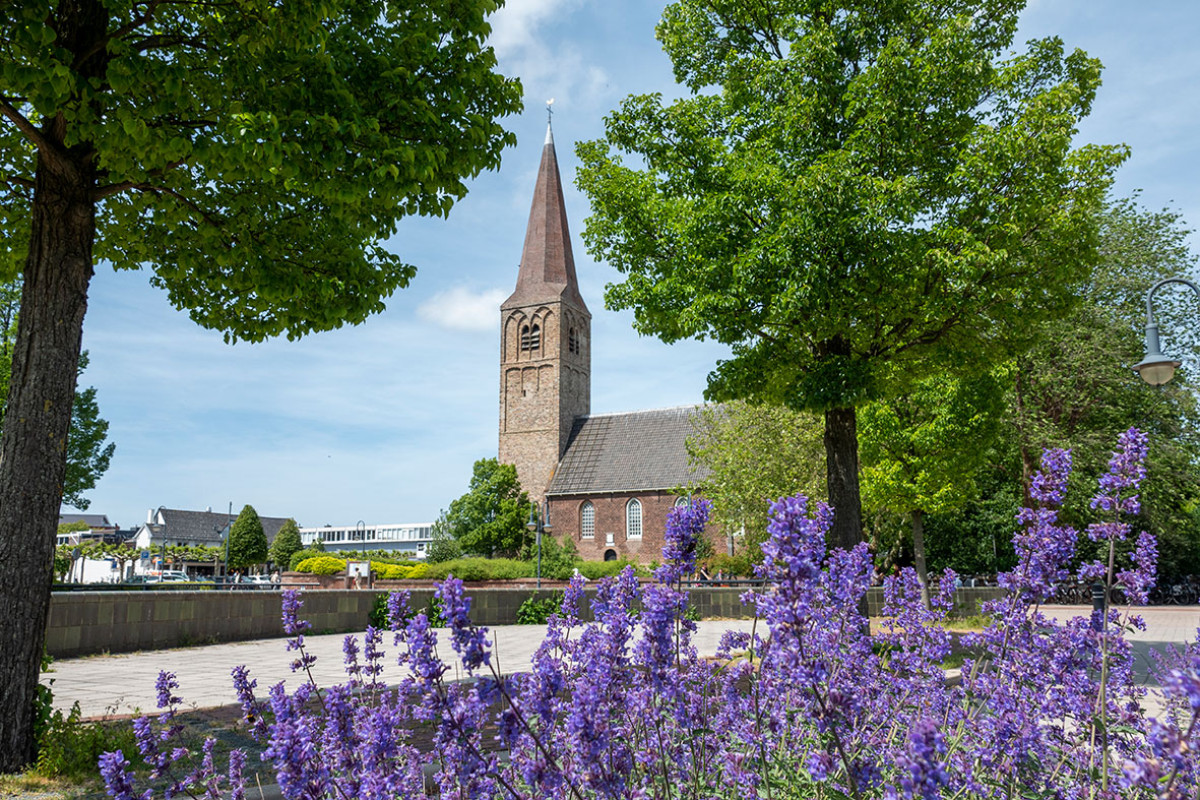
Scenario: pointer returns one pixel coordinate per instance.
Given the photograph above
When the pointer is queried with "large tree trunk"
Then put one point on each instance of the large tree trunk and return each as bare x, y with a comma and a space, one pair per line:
34, 440
918, 528
841, 471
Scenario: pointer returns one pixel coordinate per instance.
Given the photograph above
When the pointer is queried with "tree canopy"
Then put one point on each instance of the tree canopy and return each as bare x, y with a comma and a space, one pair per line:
854, 196
753, 455
286, 542
254, 156
489, 520
247, 540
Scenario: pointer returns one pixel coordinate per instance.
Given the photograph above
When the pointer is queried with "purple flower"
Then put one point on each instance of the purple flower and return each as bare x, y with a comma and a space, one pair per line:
685, 526
292, 624
118, 783
468, 641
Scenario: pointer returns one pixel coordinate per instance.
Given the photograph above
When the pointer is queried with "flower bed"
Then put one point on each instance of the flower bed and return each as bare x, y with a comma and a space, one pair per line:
812, 705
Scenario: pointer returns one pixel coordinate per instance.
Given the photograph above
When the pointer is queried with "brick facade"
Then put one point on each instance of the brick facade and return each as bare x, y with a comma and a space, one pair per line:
610, 521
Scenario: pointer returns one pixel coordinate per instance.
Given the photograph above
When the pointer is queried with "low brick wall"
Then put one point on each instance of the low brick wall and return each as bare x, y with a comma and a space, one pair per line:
86, 623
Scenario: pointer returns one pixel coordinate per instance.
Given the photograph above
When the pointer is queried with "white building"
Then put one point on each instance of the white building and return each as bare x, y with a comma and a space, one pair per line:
409, 539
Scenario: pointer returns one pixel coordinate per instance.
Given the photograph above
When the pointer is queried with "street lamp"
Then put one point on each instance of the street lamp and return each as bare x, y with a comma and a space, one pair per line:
1156, 368
539, 525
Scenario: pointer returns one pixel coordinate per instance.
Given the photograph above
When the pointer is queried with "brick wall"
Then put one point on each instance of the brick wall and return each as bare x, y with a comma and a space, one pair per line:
610, 519
86, 623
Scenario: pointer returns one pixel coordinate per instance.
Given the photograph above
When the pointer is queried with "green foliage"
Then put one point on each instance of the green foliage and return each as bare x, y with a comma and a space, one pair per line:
921, 450
69, 748
256, 161
303, 555
489, 520
891, 185
593, 570
558, 560
247, 541
740, 565
755, 454
481, 569
852, 197
398, 572
538, 610
443, 547
287, 543
321, 565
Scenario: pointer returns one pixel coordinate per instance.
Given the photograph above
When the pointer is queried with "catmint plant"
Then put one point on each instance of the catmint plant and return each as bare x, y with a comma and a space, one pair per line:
813, 702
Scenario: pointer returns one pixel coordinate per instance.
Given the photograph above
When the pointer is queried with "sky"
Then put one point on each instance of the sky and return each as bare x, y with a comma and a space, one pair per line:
382, 422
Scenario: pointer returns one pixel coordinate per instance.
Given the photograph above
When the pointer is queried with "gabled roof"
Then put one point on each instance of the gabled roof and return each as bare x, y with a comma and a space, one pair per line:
205, 527
547, 272
629, 452
91, 520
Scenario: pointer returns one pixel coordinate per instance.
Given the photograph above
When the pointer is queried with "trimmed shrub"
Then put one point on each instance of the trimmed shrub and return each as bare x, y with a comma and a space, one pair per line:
303, 555
593, 570
481, 569
322, 565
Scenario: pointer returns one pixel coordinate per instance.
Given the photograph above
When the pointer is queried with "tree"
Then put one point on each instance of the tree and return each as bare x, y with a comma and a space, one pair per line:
287, 541
753, 456
88, 456
855, 196
247, 541
489, 520
1074, 388
254, 154
921, 451
443, 546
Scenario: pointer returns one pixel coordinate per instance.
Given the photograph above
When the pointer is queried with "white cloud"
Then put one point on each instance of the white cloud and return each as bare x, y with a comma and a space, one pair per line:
514, 26
461, 309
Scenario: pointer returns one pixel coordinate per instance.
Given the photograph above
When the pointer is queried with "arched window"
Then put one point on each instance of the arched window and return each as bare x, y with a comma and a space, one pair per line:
682, 502
633, 519
587, 520
610, 555
572, 341
531, 337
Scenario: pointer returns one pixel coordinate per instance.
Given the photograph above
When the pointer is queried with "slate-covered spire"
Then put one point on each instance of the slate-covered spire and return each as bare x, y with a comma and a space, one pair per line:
547, 271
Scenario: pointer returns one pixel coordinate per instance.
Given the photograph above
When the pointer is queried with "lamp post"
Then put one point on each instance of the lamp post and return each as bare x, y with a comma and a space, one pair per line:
1156, 368
539, 524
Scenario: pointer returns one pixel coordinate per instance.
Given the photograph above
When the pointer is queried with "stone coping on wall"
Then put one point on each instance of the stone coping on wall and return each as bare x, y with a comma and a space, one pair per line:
87, 623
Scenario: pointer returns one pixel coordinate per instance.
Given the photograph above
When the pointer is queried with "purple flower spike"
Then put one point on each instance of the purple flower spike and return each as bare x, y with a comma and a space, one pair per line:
685, 526
165, 684
292, 624
468, 640
118, 783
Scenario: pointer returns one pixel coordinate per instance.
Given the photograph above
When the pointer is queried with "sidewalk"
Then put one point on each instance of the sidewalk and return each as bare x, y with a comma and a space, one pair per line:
123, 684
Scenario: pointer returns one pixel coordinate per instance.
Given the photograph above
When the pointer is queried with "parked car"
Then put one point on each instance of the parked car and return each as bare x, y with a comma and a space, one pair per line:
173, 576
262, 579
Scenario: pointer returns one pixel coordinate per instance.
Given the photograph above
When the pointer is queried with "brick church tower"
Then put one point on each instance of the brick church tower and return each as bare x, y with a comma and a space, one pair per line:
545, 341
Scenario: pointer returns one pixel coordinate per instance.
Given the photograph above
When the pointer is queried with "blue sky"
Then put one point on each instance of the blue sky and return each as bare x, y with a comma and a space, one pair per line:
382, 422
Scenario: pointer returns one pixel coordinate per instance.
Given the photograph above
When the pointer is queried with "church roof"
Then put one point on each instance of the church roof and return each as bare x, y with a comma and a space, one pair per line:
629, 452
547, 272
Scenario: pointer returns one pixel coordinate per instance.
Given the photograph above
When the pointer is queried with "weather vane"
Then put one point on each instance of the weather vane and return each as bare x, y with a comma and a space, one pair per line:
549, 110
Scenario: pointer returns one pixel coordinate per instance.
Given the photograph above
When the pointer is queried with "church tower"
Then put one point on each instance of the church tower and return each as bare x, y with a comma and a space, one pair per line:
545, 341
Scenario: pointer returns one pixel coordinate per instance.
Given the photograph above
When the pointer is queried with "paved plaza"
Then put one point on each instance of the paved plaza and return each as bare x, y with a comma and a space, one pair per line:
123, 684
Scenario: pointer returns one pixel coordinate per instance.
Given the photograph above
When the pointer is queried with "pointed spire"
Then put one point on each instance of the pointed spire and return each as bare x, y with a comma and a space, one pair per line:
547, 271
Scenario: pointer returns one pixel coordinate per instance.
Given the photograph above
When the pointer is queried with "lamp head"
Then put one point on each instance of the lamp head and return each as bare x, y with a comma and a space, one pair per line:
1155, 369
532, 524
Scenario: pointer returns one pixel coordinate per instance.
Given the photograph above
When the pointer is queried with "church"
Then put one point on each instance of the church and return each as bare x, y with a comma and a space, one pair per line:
607, 481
